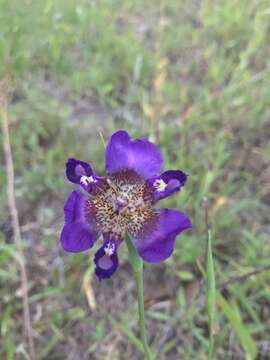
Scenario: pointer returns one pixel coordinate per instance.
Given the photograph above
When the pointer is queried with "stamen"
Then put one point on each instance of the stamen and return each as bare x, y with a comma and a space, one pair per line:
160, 185
111, 185
121, 201
118, 203
86, 180
109, 249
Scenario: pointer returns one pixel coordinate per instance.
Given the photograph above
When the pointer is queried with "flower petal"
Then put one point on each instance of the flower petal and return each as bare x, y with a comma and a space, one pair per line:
80, 230
80, 172
75, 169
167, 183
106, 260
156, 241
139, 155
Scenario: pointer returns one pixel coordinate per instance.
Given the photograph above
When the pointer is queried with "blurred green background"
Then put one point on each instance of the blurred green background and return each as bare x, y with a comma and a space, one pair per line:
194, 76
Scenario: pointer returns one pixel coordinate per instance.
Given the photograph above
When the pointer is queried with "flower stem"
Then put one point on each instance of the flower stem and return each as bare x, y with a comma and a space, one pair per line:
137, 265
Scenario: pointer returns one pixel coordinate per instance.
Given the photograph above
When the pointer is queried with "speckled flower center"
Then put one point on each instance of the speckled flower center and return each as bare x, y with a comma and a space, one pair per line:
122, 202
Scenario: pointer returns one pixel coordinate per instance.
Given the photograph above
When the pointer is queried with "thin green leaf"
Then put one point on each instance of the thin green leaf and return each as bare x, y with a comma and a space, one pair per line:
210, 294
232, 312
125, 331
57, 337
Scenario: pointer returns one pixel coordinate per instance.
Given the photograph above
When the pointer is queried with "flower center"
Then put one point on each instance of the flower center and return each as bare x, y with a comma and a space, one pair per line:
121, 201
120, 205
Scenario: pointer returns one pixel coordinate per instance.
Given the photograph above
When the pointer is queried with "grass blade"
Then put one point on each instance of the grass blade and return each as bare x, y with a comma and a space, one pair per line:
210, 294
126, 332
232, 312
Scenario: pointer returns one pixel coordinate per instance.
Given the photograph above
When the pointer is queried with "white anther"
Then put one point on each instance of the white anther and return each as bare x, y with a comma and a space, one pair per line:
160, 185
86, 180
109, 249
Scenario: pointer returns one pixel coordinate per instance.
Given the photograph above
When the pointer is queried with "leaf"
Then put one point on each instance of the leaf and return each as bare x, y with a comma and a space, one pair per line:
185, 275
57, 337
125, 331
233, 314
210, 294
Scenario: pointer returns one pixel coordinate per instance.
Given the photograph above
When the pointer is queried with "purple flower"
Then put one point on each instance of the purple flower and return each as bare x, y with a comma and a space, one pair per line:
123, 202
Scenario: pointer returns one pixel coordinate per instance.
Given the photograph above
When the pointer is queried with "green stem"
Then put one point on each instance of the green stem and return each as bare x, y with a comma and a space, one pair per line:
137, 266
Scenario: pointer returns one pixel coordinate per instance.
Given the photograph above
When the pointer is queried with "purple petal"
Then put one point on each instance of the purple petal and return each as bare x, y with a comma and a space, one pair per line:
75, 169
139, 155
80, 230
79, 172
157, 243
106, 260
167, 183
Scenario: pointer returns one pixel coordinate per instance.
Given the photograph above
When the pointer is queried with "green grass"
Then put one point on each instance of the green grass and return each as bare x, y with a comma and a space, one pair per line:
194, 76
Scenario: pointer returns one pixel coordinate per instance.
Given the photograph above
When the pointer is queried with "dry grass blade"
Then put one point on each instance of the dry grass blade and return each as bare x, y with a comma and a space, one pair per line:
88, 289
5, 90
